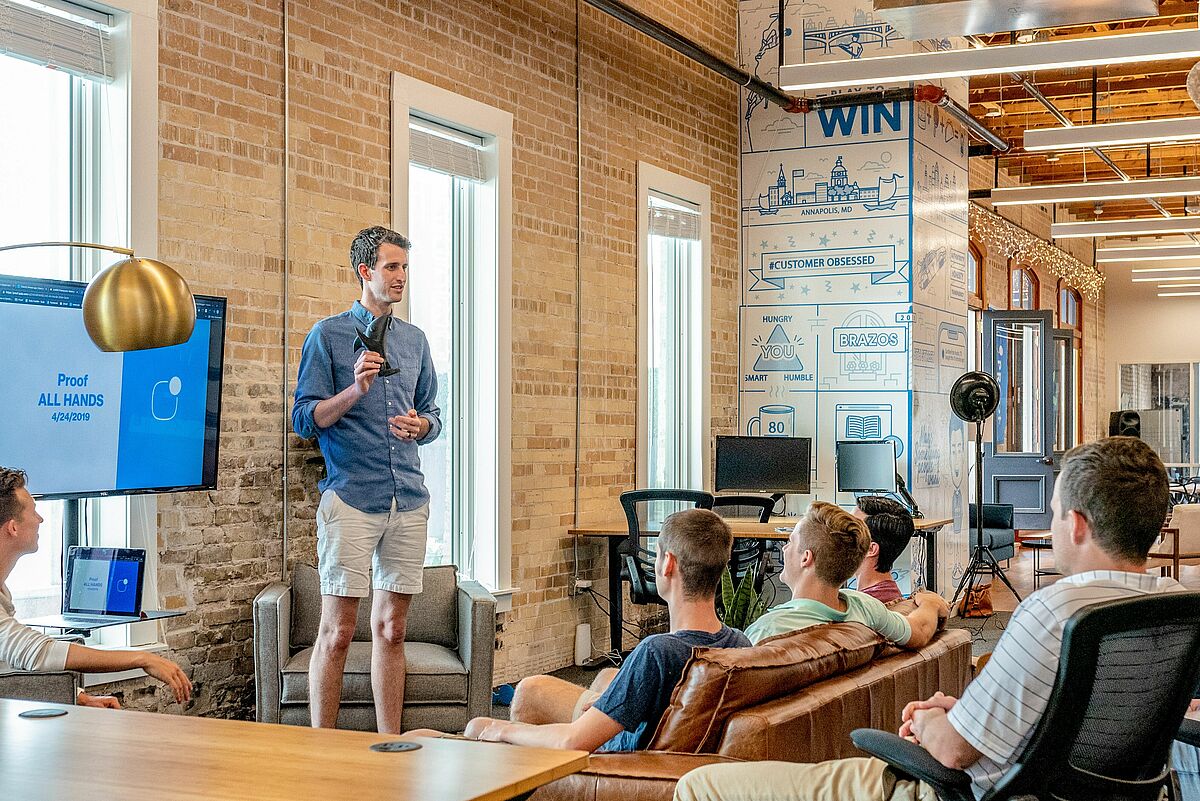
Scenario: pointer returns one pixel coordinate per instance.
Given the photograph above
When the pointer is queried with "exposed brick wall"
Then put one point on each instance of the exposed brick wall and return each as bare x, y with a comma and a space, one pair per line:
221, 193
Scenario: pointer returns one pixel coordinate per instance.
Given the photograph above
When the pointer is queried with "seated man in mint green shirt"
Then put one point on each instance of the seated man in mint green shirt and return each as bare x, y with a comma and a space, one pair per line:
823, 552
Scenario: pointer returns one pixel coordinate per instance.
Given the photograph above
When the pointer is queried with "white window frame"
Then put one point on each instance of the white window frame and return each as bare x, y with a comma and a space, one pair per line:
491, 408
652, 178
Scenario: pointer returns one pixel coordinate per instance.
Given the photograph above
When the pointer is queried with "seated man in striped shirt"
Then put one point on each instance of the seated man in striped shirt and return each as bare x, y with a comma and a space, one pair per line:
1109, 503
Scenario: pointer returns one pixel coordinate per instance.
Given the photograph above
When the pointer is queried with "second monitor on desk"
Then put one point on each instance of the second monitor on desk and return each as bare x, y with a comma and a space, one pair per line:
775, 465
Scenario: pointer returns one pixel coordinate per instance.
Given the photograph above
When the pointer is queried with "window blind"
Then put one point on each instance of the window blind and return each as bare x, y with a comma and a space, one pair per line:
444, 149
674, 218
71, 38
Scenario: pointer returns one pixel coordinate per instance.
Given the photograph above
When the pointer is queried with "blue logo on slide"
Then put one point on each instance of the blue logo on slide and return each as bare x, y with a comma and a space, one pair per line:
163, 398
122, 588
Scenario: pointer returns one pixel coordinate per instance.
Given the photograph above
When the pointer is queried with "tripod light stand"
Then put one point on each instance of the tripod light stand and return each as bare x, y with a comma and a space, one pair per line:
974, 398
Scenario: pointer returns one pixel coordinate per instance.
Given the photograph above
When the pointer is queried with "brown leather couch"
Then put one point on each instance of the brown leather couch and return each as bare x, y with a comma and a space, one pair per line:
794, 698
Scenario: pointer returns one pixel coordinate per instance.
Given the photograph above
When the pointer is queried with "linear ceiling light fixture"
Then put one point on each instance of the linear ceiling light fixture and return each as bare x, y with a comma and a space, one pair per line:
1114, 134
1179, 286
1058, 54
1179, 294
1163, 269
1138, 226
1159, 253
1096, 191
1162, 279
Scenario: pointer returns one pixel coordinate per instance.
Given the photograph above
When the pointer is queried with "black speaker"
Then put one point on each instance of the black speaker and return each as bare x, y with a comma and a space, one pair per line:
1125, 423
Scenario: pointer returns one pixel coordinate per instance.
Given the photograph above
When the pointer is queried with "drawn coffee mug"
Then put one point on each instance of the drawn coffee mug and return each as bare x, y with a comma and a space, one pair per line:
773, 420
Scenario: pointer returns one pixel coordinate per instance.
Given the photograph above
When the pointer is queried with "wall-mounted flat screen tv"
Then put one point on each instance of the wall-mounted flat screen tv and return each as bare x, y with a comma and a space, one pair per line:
82, 422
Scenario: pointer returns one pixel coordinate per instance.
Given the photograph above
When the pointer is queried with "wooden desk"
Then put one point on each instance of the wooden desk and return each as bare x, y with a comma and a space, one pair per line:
137, 756
613, 531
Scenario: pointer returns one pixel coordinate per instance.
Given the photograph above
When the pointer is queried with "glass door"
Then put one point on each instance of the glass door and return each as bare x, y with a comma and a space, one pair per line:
1018, 463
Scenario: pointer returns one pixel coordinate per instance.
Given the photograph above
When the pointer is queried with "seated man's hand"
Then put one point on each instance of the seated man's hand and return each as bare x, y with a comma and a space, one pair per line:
938, 700
477, 727
170, 674
924, 597
97, 701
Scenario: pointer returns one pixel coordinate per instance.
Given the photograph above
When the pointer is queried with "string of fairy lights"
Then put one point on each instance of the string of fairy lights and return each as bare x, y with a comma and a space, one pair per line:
1007, 239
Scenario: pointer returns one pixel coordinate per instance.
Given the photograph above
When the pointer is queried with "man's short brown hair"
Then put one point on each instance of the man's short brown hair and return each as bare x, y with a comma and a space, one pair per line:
1120, 486
838, 540
10, 481
701, 542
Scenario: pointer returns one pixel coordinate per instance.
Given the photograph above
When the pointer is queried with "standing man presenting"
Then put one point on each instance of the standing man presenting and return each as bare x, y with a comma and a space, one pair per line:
367, 391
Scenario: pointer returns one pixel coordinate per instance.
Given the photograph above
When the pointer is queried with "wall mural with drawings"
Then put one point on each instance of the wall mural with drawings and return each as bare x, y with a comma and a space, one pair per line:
853, 313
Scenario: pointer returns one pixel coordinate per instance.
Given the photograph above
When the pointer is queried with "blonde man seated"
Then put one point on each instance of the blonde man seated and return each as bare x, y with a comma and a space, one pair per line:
623, 707
823, 552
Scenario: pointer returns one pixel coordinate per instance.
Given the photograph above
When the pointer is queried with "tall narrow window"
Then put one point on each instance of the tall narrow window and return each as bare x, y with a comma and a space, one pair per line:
673, 330
453, 200
1023, 288
73, 171
1068, 369
975, 307
445, 174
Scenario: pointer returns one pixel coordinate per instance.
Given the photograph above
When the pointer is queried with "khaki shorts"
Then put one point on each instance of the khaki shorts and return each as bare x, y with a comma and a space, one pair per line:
352, 546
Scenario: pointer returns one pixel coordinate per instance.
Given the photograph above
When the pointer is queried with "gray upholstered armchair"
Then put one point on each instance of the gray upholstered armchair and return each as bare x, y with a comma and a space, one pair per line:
56, 686
449, 648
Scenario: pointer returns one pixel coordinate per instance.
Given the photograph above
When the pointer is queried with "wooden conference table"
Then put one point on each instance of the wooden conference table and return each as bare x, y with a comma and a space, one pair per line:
138, 756
613, 531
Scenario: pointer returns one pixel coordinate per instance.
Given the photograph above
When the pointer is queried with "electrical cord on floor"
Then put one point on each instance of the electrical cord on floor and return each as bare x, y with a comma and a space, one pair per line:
625, 624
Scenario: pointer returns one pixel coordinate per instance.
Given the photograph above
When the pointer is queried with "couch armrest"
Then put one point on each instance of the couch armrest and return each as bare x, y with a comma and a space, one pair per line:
477, 644
640, 775
272, 634
55, 686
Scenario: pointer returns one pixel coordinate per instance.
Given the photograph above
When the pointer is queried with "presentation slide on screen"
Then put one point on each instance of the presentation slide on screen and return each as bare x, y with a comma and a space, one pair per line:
104, 585
77, 419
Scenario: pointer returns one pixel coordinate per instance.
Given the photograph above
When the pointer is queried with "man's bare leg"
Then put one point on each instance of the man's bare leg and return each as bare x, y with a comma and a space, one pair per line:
329, 659
389, 622
546, 699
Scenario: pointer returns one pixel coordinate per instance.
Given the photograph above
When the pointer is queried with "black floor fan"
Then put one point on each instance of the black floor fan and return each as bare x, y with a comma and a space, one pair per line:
974, 398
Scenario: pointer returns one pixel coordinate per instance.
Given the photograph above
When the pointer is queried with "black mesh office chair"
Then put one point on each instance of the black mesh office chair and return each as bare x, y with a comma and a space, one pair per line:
638, 561
747, 553
1127, 671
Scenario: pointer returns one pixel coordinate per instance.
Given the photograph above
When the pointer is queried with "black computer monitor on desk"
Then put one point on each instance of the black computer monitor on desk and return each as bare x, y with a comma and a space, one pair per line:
777, 465
866, 466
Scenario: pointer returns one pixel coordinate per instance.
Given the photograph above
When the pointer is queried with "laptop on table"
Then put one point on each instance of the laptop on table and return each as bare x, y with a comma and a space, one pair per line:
102, 587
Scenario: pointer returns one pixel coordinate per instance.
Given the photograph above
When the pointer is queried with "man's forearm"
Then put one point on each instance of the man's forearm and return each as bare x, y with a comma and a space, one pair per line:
550, 735
330, 410
94, 660
942, 740
924, 622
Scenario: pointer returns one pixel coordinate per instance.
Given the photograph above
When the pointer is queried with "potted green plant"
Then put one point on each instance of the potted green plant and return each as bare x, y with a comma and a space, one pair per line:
740, 606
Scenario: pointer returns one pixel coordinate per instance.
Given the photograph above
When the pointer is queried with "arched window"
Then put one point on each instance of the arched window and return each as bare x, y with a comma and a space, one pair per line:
1070, 308
974, 276
1023, 288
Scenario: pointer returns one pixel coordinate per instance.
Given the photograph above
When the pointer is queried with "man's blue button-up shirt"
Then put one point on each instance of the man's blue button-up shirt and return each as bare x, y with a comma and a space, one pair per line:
365, 464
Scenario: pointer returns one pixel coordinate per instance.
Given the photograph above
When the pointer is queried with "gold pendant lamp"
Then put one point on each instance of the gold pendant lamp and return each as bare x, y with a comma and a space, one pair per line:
135, 304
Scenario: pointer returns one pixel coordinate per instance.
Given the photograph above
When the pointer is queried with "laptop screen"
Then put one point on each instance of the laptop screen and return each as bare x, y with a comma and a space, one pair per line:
104, 581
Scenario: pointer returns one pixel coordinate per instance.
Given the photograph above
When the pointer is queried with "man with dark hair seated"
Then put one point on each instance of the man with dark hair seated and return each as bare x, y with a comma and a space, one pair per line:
1109, 504
22, 648
824, 550
693, 550
891, 528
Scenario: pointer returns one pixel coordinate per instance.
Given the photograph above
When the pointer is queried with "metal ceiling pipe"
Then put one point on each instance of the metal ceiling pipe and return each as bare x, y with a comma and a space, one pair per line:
1054, 110
938, 97
794, 105
685, 46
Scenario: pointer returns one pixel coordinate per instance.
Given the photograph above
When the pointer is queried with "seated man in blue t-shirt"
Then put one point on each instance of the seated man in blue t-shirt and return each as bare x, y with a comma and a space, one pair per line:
622, 709
824, 550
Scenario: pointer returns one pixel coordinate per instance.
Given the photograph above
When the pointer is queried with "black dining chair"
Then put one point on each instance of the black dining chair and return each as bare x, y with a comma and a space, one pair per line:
643, 508
748, 553
1127, 671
